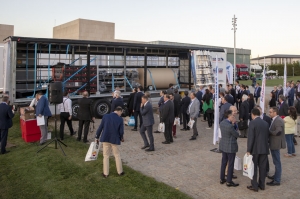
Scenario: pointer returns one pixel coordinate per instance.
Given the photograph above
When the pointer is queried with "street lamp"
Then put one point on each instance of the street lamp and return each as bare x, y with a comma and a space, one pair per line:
234, 19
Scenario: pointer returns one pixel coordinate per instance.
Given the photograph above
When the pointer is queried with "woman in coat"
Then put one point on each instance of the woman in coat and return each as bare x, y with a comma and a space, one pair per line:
289, 129
272, 102
251, 104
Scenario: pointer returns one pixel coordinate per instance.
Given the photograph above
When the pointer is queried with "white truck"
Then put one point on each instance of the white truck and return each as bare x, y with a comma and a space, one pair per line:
256, 70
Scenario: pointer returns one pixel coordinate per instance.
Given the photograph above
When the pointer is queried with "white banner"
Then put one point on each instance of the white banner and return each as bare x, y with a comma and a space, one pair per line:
229, 72
284, 79
6, 67
216, 117
263, 89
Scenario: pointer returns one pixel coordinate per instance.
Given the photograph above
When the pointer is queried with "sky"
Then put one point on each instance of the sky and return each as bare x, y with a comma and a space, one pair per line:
264, 26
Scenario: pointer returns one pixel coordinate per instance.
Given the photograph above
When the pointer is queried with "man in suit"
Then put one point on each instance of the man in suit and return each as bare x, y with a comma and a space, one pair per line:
137, 106
65, 109
229, 147
221, 89
111, 130
276, 142
287, 89
232, 92
291, 95
42, 109
230, 97
130, 101
237, 93
193, 111
85, 115
160, 104
6, 115
148, 121
117, 101
170, 89
257, 91
184, 104
199, 95
176, 112
224, 107
167, 117
283, 106
280, 92
275, 91
244, 115
258, 147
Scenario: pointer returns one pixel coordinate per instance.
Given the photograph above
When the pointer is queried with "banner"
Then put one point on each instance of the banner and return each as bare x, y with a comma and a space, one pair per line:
6, 68
229, 73
284, 79
263, 89
216, 118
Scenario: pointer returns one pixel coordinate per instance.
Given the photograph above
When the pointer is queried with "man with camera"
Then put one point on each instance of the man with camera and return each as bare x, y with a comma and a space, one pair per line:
6, 115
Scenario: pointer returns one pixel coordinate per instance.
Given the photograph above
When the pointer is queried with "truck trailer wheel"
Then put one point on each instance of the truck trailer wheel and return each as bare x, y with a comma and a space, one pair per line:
101, 107
75, 107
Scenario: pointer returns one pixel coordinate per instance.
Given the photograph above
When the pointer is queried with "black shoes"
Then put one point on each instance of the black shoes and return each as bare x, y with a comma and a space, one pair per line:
271, 177
121, 174
165, 142
104, 176
273, 183
156, 131
222, 181
233, 176
193, 138
144, 147
232, 184
148, 150
73, 133
134, 129
183, 129
5, 152
252, 189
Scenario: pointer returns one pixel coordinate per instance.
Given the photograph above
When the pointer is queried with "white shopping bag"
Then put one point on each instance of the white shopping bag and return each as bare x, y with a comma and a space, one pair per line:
161, 127
219, 133
191, 123
177, 121
237, 163
248, 166
40, 120
93, 152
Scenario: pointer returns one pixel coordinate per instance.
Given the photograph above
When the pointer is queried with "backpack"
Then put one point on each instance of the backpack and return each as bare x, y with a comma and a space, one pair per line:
297, 106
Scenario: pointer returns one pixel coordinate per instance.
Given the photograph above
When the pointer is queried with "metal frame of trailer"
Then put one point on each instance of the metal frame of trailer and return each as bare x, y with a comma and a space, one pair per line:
92, 48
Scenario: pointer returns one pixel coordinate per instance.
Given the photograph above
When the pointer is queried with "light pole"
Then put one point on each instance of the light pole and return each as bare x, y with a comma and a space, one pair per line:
234, 53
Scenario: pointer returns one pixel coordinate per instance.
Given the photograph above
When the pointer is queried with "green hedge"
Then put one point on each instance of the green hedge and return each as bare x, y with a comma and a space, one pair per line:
280, 68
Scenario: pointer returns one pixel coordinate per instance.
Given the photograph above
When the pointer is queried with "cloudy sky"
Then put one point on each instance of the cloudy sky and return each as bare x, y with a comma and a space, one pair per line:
266, 26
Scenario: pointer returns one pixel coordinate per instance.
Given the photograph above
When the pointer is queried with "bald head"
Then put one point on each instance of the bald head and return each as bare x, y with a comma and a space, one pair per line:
233, 109
85, 94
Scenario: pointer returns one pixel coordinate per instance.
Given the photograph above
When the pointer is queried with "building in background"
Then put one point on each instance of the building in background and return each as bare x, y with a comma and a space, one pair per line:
276, 59
6, 31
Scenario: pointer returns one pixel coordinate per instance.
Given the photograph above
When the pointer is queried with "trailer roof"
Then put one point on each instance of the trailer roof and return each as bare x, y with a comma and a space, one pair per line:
46, 41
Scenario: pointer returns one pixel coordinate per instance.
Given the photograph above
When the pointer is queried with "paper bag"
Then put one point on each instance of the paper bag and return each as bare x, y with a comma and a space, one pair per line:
161, 127
93, 152
191, 123
177, 121
248, 166
237, 163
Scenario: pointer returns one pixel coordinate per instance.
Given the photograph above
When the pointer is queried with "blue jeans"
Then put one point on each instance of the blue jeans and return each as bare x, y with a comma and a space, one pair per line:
277, 163
290, 143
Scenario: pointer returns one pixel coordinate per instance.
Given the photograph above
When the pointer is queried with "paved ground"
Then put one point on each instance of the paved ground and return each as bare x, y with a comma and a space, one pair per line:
192, 168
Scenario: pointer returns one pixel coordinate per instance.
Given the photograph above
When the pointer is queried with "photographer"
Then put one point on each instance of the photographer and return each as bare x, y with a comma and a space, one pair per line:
6, 115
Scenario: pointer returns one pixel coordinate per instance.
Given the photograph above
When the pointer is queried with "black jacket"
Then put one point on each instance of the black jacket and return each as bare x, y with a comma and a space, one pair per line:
232, 92
137, 101
167, 113
85, 111
251, 105
244, 110
130, 101
230, 99
184, 104
6, 116
283, 109
267, 119
117, 102
272, 102
258, 137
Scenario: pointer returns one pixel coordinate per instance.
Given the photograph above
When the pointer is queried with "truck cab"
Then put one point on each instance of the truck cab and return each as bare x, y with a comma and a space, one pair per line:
256, 70
242, 72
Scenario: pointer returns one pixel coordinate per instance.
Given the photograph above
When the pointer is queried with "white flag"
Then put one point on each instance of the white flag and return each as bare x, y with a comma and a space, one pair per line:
284, 79
263, 88
216, 118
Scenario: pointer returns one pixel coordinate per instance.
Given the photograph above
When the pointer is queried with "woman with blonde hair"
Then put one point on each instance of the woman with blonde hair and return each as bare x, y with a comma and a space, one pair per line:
289, 128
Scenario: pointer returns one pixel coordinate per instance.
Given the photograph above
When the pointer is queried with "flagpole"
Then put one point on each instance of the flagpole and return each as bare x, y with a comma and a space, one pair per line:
284, 78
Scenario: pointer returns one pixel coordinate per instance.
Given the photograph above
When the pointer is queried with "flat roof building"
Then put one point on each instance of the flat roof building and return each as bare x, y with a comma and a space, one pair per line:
276, 59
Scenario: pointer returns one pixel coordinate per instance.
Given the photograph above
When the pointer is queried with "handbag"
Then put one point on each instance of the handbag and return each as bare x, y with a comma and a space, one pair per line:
131, 121
237, 163
161, 127
243, 125
177, 121
93, 151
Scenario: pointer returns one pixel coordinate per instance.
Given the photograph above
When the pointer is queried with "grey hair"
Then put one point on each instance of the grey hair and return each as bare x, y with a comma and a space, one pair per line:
280, 86
117, 93
244, 97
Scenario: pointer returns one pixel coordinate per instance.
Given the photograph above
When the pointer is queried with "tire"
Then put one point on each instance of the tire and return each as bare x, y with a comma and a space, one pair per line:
101, 107
75, 107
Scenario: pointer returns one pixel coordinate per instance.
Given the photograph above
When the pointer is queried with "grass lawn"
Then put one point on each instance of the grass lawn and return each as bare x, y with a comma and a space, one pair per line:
50, 174
271, 82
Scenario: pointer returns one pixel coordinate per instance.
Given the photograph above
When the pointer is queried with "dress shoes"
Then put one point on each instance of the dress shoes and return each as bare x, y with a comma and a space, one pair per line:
188, 129
193, 138
121, 174
73, 133
252, 189
5, 152
261, 188
271, 177
104, 176
222, 181
183, 129
233, 176
156, 131
144, 147
134, 129
165, 142
42, 143
148, 150
273, 183
232, 184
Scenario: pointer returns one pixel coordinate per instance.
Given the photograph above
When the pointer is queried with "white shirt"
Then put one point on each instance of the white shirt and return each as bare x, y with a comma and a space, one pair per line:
66, 106
146, 103
33, 102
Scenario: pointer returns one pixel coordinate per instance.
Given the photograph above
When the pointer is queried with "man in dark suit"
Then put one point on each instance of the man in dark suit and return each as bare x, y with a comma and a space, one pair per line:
137, 106
148, 121
85, 115
280, 92
184, 104
257, 91
167, 117
160, 104
6, 115
244, 115
223, 108
176, 112
291, 95
276, 142
170, 89
283, 106
193, 111
42, 109
111, 130
258, 147
229, 97
199, 95
130, 102
229, 147
117, 101
275, 91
